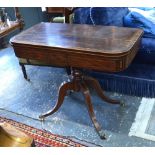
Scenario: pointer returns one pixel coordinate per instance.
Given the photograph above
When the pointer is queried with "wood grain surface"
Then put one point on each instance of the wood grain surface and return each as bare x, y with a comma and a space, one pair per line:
103, 48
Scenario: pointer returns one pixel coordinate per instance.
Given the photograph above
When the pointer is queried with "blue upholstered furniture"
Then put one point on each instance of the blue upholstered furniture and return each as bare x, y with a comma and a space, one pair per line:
139, 78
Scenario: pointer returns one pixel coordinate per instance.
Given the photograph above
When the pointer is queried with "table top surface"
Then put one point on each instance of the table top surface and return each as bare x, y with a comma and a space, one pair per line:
88, 38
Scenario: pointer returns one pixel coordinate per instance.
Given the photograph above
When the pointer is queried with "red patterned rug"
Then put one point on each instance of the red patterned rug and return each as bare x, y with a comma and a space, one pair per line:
43, 138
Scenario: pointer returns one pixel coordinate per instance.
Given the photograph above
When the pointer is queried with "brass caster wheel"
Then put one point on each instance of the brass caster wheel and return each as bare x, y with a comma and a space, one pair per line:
41, 118
102, 134
122, 103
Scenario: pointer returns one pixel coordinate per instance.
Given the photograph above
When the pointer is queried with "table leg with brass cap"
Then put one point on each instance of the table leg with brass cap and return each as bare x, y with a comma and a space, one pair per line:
79, 83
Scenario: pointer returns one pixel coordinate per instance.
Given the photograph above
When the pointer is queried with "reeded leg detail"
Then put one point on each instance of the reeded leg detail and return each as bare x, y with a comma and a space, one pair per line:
99, 90
86, 94
62, 93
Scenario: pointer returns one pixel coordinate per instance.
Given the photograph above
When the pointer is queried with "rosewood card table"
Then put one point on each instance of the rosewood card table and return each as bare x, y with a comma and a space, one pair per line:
101, 48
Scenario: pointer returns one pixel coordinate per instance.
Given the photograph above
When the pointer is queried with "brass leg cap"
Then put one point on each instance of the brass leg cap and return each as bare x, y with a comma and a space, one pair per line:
102, 134
122, 103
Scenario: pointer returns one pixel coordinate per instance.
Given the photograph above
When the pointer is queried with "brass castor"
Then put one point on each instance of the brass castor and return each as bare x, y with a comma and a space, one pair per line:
122, 103
12, 137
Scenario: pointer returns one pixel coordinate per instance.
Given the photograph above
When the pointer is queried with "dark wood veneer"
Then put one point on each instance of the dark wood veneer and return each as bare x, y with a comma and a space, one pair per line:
103, 48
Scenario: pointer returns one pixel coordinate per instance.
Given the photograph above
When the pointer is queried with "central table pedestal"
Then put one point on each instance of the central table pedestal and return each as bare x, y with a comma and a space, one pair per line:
79, 82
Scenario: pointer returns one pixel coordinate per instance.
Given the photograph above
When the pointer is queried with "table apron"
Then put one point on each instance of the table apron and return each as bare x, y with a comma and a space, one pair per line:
62, 58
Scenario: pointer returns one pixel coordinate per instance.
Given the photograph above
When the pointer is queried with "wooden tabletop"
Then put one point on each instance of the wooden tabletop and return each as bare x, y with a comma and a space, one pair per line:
106, 39
103, 48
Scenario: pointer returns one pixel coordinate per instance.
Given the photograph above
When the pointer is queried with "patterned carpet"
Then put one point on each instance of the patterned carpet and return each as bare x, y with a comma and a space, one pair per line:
43, 138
